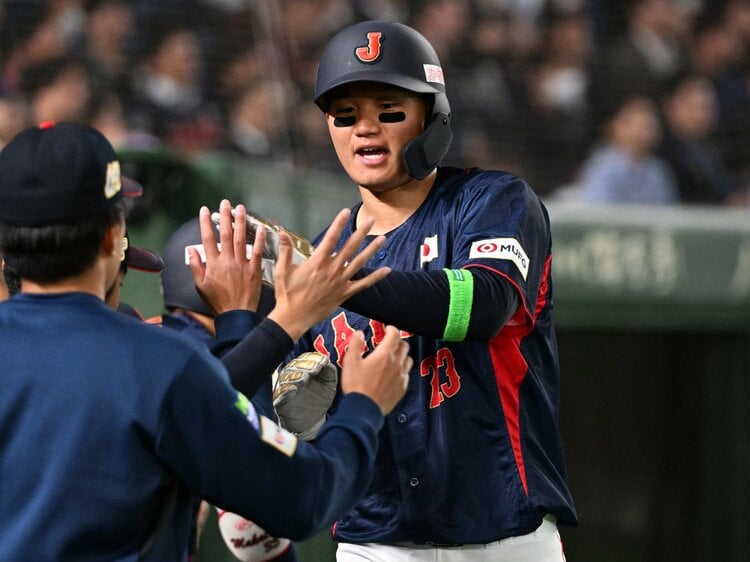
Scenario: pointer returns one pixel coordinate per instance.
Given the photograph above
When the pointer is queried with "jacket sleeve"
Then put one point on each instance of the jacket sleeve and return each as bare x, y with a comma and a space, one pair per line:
218, 446
253, 360
231, 327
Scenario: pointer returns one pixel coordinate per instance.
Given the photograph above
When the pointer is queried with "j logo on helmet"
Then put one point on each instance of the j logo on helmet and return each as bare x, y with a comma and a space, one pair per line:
371, 52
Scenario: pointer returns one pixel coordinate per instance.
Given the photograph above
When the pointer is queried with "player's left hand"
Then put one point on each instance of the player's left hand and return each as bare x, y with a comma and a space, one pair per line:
229, 280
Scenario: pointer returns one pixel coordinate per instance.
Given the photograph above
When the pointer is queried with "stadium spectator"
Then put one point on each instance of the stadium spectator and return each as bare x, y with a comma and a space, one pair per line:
623, 168
528, 78
690, 113
720, 52
167, 92
29, 35
104, 43
57, 89
651, 51
254, 133
13, 116
553, 126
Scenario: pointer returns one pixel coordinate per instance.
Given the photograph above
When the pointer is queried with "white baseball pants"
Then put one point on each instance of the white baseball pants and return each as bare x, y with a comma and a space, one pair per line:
542, 545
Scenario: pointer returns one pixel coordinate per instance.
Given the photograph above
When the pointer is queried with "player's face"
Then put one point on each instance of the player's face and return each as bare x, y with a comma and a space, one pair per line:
3, 288
369, 124
112, 297
114, 259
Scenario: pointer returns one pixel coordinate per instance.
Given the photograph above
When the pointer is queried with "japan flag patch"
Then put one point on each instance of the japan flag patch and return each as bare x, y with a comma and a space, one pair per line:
428, 251
278, 437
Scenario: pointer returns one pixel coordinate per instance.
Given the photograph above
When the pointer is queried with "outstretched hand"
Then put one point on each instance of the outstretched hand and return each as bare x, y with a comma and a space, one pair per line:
229, 280
307, 293
383, 375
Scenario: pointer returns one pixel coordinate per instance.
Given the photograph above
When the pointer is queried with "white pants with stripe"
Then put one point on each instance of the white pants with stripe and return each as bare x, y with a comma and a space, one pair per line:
542, 545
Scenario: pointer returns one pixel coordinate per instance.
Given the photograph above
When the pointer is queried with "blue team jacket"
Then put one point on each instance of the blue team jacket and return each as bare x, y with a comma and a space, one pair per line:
100, 414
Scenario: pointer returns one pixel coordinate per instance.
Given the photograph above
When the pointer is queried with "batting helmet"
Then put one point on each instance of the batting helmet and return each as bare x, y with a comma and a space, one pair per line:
394, 54
177, 285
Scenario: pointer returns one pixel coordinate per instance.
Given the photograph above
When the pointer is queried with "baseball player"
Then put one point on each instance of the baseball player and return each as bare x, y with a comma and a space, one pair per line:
134, 258
109, 426
470, 465
221, 324
141, 259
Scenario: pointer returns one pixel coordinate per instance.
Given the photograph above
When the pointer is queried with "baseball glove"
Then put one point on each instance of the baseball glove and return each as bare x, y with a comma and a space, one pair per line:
302, 249
303, 392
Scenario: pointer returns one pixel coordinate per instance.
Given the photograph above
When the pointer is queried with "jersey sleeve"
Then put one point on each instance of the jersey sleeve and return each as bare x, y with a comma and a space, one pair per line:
231, 327
503, 227
253, 360
216, 443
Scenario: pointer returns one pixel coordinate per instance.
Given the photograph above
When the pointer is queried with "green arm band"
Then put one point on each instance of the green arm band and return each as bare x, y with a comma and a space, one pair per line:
461, 284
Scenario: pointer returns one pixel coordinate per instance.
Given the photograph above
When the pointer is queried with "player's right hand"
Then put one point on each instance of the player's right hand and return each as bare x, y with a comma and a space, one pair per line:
307, 293
229, 280
383, 375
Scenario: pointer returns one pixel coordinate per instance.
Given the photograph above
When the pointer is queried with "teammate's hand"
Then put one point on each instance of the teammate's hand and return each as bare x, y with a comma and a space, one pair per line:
383, 375
229, 280
307, 293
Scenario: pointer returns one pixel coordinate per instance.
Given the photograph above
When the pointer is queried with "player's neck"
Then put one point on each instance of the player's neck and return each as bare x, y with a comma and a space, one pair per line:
205, 321
392, 207
90, 281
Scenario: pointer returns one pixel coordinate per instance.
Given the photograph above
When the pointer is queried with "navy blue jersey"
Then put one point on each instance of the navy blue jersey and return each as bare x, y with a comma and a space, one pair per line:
472, 454
101, 413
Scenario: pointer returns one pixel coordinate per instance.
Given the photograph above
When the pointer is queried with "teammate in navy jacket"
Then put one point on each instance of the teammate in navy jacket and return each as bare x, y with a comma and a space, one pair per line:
102, 417
471, 461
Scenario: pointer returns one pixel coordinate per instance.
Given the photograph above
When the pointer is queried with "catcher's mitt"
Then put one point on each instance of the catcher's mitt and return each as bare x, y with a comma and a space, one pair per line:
303, 392
302, 249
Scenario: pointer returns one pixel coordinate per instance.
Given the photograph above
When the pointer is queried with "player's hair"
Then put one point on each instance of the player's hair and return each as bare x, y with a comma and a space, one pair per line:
49, 254
12, 282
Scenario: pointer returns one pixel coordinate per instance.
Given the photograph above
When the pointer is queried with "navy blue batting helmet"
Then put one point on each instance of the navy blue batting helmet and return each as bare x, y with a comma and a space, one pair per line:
178, 287
397, 55
177, 284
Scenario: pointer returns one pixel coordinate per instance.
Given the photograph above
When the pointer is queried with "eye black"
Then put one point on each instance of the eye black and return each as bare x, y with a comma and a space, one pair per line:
346, 121
392, 117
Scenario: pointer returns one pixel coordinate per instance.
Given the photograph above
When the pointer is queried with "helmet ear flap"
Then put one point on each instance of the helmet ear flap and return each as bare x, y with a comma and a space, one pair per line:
423, 153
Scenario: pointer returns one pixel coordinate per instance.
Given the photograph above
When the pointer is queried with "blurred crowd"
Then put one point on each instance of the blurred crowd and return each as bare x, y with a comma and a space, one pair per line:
644, 101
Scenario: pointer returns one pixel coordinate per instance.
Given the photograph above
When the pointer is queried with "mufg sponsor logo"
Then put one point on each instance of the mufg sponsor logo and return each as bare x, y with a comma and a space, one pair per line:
502, 249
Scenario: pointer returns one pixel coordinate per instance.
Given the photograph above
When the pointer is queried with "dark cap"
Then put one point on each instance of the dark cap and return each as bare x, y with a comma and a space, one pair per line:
130, 187
142, 259
58, 173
